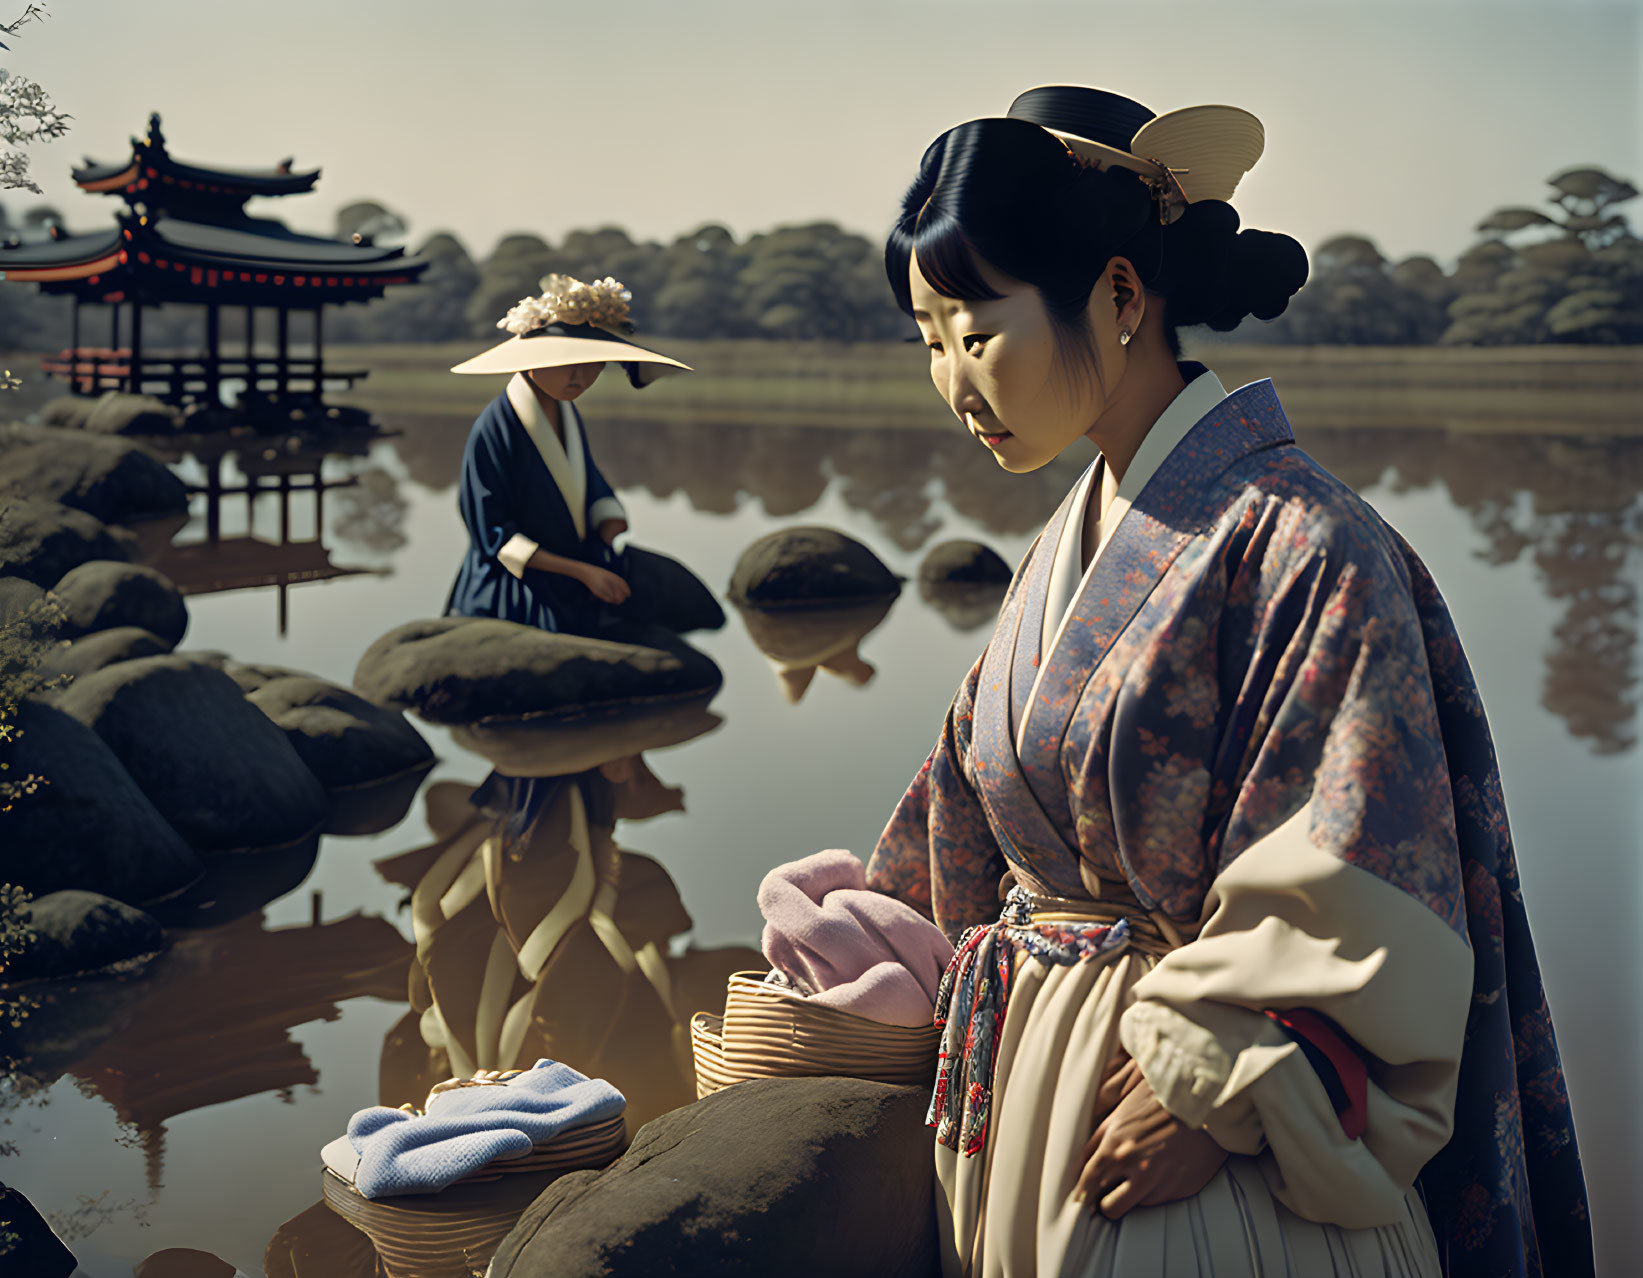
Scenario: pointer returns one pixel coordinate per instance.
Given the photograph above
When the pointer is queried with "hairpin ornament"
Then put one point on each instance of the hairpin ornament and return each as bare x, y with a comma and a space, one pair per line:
1167, 191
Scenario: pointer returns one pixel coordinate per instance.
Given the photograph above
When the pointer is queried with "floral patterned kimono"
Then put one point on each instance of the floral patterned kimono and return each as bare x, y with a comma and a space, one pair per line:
1255, 759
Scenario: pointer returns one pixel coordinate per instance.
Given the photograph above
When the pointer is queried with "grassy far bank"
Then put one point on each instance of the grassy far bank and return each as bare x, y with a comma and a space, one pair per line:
1561, 390
1574, 390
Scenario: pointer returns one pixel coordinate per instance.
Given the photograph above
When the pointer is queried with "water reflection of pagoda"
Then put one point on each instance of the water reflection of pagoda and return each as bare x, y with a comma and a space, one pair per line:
278, 469
184, 237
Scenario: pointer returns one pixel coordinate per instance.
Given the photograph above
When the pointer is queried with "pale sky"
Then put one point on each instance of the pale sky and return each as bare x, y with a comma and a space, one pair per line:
1406, 122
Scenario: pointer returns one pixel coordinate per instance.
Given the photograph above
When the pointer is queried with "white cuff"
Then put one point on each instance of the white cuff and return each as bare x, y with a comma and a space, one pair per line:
603, 509
516, 554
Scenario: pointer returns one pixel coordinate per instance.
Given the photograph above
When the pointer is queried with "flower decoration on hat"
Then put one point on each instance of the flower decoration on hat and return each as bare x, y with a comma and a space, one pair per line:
564, 300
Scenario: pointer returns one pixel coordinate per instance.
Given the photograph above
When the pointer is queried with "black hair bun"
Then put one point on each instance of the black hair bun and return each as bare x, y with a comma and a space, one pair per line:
1216, 274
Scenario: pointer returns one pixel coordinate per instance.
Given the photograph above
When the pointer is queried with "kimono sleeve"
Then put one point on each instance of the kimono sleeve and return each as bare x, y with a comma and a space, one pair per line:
1338, 892
938, 853
486, 499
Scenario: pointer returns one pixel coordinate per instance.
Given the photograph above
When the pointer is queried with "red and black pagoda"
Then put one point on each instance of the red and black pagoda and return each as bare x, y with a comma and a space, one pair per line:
184, 237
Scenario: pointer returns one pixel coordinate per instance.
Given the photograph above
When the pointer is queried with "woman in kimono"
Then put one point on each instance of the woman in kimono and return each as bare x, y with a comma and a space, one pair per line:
1262, 998
540, 516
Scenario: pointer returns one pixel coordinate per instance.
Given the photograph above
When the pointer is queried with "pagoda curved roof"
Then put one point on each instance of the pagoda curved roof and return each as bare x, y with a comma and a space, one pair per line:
64, 251
265, 240
156, 163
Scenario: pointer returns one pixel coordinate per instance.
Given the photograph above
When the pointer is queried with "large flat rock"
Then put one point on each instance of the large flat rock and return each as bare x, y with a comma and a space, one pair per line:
456, 670
791, 1177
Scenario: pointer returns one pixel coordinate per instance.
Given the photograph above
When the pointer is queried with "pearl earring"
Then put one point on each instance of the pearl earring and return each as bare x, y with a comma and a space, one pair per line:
1123, 337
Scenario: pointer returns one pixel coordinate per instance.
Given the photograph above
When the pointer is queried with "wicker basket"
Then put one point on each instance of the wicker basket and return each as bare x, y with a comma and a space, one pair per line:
771, 1031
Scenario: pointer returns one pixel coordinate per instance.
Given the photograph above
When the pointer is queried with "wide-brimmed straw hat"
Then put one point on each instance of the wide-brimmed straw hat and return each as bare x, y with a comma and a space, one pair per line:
773, 1031
570, 322
1194, 153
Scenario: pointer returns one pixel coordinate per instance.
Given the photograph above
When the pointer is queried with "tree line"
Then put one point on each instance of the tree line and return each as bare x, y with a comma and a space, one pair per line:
1572, 273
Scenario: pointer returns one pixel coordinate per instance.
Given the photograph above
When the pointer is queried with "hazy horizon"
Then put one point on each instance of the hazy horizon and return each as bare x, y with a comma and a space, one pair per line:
1406, 123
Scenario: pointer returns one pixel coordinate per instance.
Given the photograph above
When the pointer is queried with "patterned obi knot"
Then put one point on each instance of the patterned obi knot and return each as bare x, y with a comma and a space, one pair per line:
971, 1001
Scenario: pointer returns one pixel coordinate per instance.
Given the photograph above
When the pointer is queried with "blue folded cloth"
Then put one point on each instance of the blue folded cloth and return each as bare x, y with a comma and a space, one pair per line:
467, 1128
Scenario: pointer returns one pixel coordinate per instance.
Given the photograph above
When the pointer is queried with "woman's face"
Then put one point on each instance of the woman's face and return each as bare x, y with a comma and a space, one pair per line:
995, 364
565, 382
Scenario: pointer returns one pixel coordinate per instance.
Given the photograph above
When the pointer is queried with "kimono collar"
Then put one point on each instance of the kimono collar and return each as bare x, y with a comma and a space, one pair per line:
1201, 394
1026, 800
1185, 411
566, 462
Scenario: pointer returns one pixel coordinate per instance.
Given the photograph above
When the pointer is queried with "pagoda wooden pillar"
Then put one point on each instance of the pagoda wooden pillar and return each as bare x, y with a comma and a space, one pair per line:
250, 349
113, 346
74, 349
281, 367
319, 353
134, 374
213, 354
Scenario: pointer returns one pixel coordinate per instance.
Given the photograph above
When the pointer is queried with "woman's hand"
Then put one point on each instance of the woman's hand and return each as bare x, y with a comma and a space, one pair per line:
611, 529
1141, 1154
604, 584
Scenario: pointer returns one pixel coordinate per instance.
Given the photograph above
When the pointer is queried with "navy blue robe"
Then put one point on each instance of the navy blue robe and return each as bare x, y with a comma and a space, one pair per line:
506, 489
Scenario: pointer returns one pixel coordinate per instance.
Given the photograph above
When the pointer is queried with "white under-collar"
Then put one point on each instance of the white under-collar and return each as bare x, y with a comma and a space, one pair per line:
566, 462
1189, 407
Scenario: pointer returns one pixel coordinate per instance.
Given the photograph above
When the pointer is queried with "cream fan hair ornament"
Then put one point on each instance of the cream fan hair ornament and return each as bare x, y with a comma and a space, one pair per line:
570, 322
1195, 153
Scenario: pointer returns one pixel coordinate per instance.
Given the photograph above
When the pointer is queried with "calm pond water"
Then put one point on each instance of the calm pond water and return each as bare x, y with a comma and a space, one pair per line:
187, 1110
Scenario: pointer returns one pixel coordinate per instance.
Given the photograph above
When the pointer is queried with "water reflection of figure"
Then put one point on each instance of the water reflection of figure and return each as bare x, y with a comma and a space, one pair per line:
555, 942
1221, 745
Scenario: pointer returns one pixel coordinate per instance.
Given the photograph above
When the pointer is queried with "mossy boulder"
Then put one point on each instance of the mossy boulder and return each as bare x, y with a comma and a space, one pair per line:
94, 652
76, 933
343, 738
27, 1243
215, 766
810, 567
101, 595
88, 826
370, 760
115, 480
41, 541
112, 413
964, 562
17, 597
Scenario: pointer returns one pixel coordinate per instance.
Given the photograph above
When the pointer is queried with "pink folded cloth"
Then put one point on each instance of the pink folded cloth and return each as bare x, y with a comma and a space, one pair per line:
848, 947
